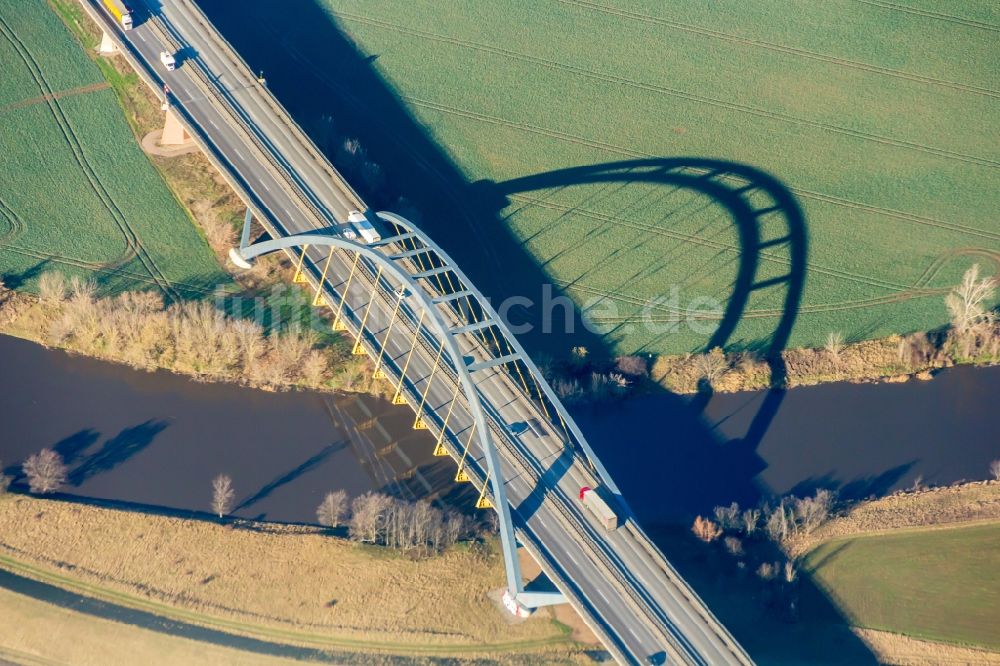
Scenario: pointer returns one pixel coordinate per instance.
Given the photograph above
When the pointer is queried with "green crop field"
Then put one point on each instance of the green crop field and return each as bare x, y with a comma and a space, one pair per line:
936, 584
77, 194
881, 119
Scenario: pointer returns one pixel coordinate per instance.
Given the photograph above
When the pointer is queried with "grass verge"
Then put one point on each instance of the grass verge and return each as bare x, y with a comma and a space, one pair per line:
938, 584
284, 583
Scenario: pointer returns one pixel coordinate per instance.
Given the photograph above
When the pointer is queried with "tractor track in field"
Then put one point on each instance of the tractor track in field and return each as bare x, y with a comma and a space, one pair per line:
672, 92
780, 48
12, 219
104, 269
611, 148
134, 245
935, 267
626, 152
699, 240
675, 314
346, 94
918, 290
951, 18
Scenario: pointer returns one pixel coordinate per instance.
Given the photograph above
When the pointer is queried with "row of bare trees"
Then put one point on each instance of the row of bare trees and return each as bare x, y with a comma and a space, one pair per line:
787, 517
419, 526
375, 518
584, 379
193, 337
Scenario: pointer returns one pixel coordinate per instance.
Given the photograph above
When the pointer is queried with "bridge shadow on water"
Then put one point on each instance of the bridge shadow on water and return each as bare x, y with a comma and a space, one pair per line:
326, 82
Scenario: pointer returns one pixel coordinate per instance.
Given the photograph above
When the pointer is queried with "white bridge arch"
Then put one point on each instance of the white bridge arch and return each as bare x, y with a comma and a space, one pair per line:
397, 256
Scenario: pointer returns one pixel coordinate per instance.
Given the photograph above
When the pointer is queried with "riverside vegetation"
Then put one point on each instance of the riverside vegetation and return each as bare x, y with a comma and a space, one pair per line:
189, 337
972, 337
581, 377
920, 563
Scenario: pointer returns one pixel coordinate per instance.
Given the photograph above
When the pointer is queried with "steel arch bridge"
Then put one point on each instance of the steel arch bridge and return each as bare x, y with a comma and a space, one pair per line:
430, 295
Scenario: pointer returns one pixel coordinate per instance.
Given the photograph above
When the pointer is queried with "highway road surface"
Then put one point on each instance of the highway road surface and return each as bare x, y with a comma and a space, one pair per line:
616, 579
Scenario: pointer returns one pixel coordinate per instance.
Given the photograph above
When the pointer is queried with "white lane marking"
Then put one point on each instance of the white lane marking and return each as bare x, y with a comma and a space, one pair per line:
212, 123
239, 154
142, 37
265, 186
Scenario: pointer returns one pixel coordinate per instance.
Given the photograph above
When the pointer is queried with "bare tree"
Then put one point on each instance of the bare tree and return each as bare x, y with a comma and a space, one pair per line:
834, 345
751, 519
45, 470
791, 573
780, 522
728, 517
734, 546
222, 495
968, 302
811, 512
995, 469
706, 530
351, 155
331, 510
712, 365
314, 368
767, 571
369, 513
52, 287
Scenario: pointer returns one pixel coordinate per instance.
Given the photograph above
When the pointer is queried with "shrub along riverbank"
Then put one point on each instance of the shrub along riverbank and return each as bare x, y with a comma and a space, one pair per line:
190, 337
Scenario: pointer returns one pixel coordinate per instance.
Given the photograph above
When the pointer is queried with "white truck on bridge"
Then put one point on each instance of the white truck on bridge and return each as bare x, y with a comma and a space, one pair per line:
364, 227
120, 11
599, 508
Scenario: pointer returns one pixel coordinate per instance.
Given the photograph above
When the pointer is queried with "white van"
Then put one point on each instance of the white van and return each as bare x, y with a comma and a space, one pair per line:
168, 60
364, 227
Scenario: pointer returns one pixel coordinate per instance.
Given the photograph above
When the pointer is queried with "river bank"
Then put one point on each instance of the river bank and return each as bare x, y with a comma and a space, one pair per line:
677, 456
673, 456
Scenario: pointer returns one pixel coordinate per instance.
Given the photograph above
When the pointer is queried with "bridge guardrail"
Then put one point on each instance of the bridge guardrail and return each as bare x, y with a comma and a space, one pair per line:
279, 108
213, 94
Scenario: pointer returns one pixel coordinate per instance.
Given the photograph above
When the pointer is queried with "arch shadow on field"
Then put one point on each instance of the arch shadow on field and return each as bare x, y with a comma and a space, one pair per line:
333, 90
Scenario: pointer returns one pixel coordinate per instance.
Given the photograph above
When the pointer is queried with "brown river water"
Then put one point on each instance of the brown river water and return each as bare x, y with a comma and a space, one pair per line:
156, 439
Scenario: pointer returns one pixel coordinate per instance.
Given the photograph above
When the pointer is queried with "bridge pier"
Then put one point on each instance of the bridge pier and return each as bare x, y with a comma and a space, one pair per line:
107, 45
174, 133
